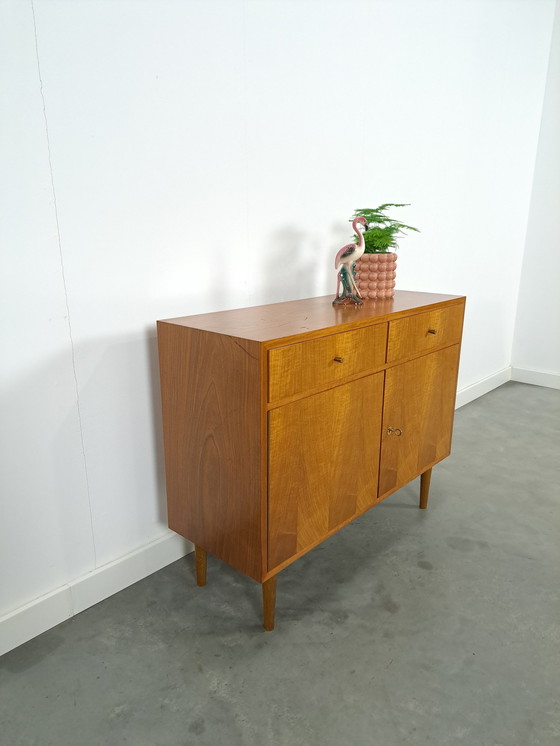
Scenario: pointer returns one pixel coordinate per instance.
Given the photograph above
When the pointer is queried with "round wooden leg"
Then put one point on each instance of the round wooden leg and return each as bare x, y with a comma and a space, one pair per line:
269, 602
425, 488
200, 565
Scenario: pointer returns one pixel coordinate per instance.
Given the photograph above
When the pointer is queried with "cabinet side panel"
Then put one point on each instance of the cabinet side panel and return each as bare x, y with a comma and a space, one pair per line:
210, 387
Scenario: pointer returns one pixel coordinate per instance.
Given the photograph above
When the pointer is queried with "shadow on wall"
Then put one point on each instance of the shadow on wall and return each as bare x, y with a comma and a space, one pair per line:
46, 536
45, 532
121, 419
122, 439
121, 434
290, 262
292, 266
157, 424
288, 265
299, 263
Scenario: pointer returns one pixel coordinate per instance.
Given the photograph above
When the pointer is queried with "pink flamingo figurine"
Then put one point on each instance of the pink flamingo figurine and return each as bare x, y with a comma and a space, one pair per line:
345, 259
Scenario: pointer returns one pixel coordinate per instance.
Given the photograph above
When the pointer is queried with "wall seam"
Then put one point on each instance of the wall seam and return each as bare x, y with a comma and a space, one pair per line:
532, 189
249, 282
63, 275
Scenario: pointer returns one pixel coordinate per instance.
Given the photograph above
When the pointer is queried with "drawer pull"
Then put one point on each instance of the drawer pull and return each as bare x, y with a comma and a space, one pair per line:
432, 331
338, 359
397, 430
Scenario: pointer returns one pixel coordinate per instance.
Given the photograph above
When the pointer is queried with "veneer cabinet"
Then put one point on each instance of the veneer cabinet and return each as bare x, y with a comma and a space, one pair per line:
282, 423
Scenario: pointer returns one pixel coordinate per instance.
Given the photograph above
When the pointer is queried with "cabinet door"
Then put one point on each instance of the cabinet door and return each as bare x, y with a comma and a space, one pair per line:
323, 464
417, 417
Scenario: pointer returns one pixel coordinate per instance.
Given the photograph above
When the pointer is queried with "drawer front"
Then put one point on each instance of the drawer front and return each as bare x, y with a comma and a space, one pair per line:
424, 332
307, 366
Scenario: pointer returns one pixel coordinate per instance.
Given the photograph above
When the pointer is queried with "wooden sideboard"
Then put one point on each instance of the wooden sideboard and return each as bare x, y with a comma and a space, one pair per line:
283, 423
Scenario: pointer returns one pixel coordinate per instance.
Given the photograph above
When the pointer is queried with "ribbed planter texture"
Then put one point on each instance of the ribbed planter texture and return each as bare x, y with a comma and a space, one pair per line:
375, 275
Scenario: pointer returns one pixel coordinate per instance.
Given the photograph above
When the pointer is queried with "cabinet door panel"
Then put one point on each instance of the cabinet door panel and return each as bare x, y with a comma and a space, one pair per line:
420, 402
323, 464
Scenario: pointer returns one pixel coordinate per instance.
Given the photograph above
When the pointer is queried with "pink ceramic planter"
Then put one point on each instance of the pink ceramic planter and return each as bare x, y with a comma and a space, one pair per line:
375, 275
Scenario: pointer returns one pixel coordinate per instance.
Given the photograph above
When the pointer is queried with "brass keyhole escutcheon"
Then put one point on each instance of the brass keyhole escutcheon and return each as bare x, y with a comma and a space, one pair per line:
396, 430
338, 359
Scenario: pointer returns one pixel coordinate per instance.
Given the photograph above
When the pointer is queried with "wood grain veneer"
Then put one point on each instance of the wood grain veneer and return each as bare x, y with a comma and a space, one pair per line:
303, 319
305, 366
424, 332
323, 468
419, 401
425, 479
211, 430
200, 561
269, 602
284, 422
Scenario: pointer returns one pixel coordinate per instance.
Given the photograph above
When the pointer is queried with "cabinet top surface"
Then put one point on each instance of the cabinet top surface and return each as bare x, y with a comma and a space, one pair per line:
305, 317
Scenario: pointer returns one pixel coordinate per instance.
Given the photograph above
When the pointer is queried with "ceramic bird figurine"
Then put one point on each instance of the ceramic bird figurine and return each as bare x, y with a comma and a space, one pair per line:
346, 259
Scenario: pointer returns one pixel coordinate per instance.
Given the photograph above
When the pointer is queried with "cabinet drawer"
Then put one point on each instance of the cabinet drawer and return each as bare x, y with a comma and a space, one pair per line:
297, 368
424, 332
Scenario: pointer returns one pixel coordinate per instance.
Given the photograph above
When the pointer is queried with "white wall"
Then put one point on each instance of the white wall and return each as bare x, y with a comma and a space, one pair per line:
45, 529
536, 349
207, 155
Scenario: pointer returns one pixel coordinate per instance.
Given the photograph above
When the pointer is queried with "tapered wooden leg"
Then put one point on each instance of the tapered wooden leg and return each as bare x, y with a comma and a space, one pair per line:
425, 488
269, 602
200, 564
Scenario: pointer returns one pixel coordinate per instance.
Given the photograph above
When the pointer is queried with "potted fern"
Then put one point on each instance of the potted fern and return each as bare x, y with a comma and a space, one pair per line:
377, 268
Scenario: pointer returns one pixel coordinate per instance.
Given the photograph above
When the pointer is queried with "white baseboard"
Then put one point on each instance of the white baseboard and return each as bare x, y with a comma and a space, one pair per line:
475, 390
31, 620
45, 612
536, 377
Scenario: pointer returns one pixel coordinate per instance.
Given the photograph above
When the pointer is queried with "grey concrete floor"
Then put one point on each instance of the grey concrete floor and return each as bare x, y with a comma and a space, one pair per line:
408, 627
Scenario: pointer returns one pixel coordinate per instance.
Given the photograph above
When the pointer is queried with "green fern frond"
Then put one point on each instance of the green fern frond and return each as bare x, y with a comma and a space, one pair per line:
383, 230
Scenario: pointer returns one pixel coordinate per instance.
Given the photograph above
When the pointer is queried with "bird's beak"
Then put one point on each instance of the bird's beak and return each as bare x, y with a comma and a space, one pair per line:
366, 227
